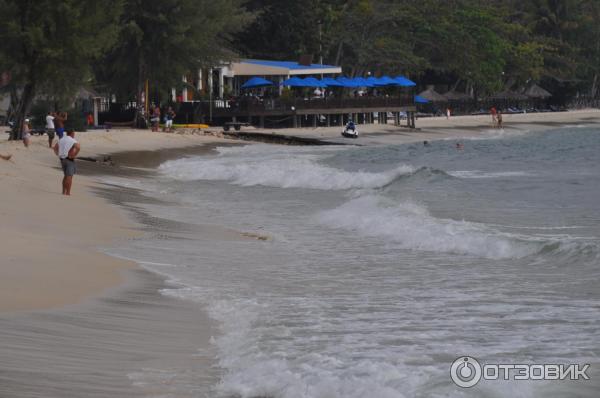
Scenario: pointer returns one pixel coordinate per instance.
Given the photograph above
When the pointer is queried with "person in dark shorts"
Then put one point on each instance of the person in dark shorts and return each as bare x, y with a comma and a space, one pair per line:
50, 128
67, 150
59, 123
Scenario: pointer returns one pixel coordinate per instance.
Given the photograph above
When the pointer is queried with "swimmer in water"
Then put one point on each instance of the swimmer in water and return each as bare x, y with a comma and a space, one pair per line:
426, 143
459, 146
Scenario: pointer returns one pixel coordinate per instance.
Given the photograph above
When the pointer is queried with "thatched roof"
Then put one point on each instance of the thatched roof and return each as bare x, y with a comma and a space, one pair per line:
456, 96
508, 95
535, 91
432, 95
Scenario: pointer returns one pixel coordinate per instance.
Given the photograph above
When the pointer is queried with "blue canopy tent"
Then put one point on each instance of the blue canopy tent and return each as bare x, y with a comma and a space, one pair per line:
404, 82
421, 100
257, 82
293, 82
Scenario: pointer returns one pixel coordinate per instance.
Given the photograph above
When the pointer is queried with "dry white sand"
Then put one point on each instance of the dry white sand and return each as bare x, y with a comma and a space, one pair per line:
436, 128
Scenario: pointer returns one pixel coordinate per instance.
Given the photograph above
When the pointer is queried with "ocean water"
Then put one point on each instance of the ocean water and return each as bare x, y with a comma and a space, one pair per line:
366, 271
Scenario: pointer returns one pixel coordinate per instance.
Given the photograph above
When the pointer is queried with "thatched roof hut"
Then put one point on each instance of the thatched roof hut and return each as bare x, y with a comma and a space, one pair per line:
432, 95
454, 95
508, 95
535, 91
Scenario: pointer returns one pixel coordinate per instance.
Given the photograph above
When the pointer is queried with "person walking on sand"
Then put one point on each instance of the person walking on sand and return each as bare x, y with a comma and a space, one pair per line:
67, 150
26, 134
499, 120
59, 123
447, 113
493, 112
155, 120
169, 122
50, 128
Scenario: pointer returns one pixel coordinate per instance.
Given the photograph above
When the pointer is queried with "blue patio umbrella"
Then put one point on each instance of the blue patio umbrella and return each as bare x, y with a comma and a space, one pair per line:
293, 82
362, 82
346, 82
331, 82
386, 81
375, 81
257, 82
312, 82
421, 100
404, 82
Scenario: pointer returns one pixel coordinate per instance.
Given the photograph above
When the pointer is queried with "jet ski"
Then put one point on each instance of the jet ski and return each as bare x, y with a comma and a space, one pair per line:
350, 130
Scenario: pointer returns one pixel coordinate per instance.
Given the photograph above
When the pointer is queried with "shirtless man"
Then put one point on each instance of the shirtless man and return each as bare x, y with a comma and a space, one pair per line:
59, 124
67, 150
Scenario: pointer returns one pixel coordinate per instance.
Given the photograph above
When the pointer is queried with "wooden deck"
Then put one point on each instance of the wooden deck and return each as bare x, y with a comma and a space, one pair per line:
302, 112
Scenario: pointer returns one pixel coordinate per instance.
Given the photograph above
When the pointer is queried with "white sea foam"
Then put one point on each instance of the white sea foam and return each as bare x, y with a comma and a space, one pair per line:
484, 174
412, 227
277, 168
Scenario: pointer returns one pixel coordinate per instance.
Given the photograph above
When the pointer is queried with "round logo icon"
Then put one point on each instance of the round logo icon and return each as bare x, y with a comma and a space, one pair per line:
465, 372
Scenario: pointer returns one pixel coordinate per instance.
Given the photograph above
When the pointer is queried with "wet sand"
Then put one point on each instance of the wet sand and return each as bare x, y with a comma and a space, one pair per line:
99, 349
105, 345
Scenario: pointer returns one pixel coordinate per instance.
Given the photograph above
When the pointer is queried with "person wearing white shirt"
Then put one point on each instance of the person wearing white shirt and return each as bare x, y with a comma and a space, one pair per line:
67, 149
50, 128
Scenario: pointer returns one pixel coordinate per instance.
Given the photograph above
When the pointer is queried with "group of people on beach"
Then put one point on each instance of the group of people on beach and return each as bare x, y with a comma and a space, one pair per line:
67, 148
155, 114
496, 117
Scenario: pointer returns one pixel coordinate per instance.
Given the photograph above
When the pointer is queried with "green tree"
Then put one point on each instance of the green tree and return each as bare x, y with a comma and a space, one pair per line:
47, 45
161, 40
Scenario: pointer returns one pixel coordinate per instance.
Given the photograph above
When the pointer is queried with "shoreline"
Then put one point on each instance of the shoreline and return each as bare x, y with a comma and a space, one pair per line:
107, 337
47, 234
51, 243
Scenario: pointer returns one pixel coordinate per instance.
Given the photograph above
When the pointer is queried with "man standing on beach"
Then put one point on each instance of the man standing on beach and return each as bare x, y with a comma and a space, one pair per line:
59, 123
67, 150
50, 128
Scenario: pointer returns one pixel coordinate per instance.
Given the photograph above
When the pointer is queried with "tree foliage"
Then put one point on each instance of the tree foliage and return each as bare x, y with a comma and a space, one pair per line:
487, 44
161, 40
47, 45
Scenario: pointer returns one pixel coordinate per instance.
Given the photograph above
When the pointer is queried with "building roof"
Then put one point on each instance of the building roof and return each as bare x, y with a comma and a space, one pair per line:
432, 95
508, 95
257, 67
456, 95
535, 91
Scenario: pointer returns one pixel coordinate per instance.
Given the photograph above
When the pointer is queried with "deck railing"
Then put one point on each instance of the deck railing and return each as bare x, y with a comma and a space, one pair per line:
256, 105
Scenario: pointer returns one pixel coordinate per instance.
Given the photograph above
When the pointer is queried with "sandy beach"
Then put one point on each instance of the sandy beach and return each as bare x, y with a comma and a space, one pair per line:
53, 271
50, 242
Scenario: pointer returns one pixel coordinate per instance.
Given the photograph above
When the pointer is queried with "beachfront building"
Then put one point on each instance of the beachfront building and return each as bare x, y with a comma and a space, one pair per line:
317, 95
226, 79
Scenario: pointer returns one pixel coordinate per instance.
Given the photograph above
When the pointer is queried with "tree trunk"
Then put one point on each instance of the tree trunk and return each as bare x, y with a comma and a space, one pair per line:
14, 101
338, 55
22, 109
